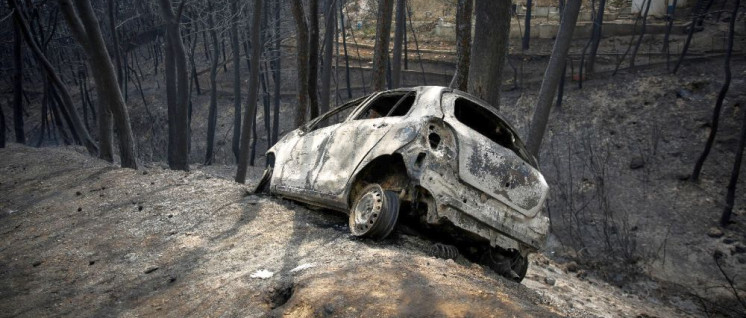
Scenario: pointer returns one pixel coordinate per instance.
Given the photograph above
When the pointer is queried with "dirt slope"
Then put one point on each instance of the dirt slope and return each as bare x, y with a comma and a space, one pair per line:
79, 237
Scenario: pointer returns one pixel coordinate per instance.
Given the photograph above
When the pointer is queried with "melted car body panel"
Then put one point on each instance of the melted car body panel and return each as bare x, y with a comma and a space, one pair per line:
476, 184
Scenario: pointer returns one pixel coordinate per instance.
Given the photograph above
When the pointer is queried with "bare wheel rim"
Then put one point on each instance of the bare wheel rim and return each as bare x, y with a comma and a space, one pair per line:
374, 213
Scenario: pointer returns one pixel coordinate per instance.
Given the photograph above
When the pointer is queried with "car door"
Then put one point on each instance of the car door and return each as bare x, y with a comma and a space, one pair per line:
300, 168
351, 142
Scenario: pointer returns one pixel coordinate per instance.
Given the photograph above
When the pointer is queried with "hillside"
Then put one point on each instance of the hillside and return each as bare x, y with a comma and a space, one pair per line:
83, 238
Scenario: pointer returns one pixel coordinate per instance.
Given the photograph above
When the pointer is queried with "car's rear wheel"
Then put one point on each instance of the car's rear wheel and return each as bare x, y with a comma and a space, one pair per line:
510, 265
264, 182
374, 213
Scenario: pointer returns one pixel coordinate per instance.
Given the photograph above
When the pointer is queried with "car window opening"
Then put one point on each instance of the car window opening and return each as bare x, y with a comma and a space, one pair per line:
389, 105
336, 115
487, 124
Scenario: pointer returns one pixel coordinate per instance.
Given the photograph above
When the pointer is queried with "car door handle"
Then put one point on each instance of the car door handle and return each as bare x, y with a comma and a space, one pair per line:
380, 125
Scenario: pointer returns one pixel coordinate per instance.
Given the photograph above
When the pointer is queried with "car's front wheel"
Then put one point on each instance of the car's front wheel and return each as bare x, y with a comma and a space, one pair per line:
510, 265
374, 213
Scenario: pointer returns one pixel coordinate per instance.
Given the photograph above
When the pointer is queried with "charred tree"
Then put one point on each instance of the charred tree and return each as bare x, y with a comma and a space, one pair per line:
276, 76
344, 49
552, 76
642, 34
177, 88
52, 75
464, 11
235, 145
401, 26
85, 28
527, 26
698, 14
381, 46
301, 38
313, 57
2, 128
212, 117
730, 196
598, 23
250, 115
17, 86
721, 96
329, 39
489, 49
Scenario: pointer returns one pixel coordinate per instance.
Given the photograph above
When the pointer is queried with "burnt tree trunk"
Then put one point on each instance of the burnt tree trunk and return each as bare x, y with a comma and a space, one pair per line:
313, 57
235, 143
85, 28
719, 102
212, 118
401, 25
177, 89
463, 44
381, 47
301, 39
78, 124
552, 76
17, 86
598, 23
344, 49
276, 76
326, 71
527, 28
730, 196
250, 115
642, 34
489, 49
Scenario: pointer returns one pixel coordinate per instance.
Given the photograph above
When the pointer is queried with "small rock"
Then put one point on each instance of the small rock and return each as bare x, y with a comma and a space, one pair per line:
683, 176
150, 269
636, 163
37, 263
78, 193
729, 240
741, 259
715, 232
144, 172
91, 263
572, 267
172, 279
139, 208
740, 249
80, 209
550, 281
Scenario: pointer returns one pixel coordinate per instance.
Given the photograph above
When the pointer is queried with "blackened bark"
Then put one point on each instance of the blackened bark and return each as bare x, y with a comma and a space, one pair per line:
86, 29
17, 85
464, 11
78, 125
2, 128
235, 144
276, 76
401, 25
249, 118
301, 39
489, 49
642, 34
313, 57
598, 23
177, 83
721, 96
213, 112
326, 71
344, 49
552, 76
381, 47
527, 28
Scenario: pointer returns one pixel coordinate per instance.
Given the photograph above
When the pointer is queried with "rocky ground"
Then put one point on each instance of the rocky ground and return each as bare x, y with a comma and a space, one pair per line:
80, 237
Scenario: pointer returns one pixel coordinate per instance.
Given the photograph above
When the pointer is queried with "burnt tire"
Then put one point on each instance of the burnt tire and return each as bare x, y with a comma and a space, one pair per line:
512, 266
374, 213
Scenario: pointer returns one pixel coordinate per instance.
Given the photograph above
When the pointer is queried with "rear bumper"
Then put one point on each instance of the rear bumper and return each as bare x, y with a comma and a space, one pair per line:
480, 214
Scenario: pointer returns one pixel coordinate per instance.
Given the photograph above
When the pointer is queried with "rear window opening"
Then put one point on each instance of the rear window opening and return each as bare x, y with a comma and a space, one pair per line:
487, 124
393, 104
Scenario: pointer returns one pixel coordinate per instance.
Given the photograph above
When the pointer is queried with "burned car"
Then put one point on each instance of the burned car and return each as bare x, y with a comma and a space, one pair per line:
431, 156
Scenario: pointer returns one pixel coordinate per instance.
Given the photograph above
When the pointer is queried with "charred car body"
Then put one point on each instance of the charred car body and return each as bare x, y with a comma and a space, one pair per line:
434, 155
